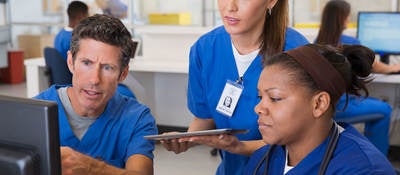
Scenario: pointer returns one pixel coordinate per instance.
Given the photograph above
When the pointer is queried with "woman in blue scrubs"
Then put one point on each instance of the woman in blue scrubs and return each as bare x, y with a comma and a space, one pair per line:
298, 91
334, 20
227, 61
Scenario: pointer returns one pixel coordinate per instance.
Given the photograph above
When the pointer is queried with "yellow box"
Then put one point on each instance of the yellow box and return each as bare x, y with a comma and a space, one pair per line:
306, 25
170, 18
316, 25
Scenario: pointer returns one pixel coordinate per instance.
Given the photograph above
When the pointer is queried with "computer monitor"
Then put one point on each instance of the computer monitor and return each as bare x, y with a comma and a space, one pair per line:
136, 46
29, 137
380, 31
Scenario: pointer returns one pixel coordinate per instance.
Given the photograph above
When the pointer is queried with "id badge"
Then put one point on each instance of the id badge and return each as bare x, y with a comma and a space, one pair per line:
229, 98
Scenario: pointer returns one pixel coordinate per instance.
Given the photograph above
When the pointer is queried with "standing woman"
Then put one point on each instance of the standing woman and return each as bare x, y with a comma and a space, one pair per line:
299, 90
335, 17
227, 62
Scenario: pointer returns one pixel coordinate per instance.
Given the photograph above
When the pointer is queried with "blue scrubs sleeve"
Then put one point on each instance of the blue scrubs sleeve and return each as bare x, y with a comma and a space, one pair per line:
294, 39
196, 93
145, 125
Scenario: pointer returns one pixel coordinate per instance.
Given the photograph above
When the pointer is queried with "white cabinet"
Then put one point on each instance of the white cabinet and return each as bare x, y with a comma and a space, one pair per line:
160, 74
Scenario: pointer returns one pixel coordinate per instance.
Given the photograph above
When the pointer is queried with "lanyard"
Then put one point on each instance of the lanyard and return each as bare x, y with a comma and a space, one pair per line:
334, 133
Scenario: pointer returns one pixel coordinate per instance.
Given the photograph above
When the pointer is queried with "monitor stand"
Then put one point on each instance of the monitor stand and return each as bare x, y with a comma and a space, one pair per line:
385, 58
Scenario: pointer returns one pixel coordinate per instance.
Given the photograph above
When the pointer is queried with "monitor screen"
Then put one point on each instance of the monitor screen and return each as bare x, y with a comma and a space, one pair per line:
380, 31
29, 136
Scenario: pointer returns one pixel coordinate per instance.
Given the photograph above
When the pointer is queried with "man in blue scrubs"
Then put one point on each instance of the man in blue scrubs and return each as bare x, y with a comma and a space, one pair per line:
76, 11
101, 131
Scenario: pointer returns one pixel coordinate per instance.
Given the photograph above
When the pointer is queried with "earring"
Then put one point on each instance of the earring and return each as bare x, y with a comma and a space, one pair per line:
269, 11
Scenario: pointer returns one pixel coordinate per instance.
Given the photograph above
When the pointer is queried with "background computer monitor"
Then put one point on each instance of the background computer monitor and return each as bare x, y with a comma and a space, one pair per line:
29, 137
380, 31
136, 46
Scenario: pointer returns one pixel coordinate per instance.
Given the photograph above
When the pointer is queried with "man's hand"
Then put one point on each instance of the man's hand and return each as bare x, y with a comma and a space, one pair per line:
75, 163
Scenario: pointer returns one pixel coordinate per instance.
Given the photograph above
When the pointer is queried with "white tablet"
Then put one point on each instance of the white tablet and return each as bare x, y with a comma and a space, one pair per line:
195, 133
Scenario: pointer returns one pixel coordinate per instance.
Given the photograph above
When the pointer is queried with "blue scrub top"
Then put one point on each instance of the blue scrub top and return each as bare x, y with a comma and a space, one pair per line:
62, 42
116, 134
211, 64
345, 39
354, 154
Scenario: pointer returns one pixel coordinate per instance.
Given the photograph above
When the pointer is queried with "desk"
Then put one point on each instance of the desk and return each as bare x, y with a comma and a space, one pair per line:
155, 83
387, 88
37, 80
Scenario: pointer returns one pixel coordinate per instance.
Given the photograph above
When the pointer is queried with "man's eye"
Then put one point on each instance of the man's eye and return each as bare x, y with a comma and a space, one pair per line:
86, 62
107, 67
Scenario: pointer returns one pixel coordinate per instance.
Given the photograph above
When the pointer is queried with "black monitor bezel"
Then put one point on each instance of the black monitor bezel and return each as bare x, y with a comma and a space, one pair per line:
18, 125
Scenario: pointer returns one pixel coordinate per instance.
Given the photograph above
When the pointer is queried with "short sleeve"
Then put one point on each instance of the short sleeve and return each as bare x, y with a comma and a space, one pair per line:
196, 92
145, 125
294, 39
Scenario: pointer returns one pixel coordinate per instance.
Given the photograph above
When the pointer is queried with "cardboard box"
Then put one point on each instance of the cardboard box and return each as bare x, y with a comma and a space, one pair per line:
33, 45
170, 18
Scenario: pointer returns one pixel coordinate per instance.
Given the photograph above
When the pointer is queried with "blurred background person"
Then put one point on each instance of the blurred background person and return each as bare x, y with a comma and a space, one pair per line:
76, 11
115, 8
335, 17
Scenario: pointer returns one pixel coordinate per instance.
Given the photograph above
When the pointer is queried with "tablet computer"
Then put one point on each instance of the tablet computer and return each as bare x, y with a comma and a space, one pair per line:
195, 133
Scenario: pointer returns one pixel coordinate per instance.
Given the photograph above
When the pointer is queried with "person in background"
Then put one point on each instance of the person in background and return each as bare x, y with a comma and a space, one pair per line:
227, 62
76, 11
114, 8
299, 90
101, 131
335, 17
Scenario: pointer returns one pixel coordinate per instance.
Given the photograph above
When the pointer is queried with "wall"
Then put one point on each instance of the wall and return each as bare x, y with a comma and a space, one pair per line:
174, 6
30, 19
310, 10
4, 36
3, 15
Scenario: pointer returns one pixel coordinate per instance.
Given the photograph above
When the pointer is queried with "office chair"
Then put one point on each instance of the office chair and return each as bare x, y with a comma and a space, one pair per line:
56, 67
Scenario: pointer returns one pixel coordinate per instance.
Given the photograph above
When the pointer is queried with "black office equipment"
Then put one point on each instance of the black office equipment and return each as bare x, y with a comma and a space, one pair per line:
136, 46
29, 137
380, 31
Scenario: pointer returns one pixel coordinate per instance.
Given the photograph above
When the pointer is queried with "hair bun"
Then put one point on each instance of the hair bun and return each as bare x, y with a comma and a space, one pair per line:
361, 59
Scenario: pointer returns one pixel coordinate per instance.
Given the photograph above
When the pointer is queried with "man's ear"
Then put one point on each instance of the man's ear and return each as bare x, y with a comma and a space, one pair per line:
321, 103
70, 62
124, 74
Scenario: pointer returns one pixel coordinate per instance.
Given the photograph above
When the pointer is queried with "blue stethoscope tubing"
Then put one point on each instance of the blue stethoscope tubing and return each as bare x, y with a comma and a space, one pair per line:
334, 133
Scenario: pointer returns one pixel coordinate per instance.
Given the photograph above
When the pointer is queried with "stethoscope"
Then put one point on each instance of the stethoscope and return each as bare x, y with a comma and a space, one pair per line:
334, 133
